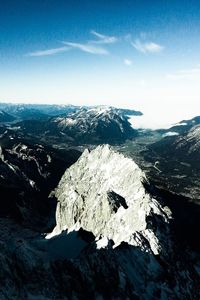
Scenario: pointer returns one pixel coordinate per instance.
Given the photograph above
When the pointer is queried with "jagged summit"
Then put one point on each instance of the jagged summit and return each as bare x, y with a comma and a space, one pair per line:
104, 193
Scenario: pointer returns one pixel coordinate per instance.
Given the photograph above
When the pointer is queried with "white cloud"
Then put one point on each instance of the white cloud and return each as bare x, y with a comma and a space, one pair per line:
93, 47
170, 133
103, 39
127, 62
48, 51
191, 74
87, 48
145, 47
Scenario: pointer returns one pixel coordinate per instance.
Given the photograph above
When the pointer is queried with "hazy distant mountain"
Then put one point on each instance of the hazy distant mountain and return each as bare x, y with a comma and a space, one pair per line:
181, 127
96, 125
39, 111
33, 111
5, 117
85, 126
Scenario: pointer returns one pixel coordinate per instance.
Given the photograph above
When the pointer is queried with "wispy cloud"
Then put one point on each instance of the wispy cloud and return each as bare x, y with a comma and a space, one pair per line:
49, 51
87, 47
94, 46
102, 38
91, 46
190, 74
127, 62
145, 47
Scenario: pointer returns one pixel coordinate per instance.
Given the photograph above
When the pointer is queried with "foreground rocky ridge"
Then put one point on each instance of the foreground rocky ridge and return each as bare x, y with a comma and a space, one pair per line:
27, 175
112, 240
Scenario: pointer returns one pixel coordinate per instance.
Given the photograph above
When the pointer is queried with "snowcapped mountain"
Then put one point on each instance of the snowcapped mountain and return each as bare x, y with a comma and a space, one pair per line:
57, 124
96, 125
85, 126
42, 111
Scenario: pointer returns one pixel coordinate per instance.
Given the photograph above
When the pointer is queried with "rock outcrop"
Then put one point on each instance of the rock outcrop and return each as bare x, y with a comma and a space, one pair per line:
104, 193
112, 240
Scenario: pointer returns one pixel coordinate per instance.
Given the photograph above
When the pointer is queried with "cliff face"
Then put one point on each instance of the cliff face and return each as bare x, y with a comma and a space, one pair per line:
112, 240
104, 193
27, 175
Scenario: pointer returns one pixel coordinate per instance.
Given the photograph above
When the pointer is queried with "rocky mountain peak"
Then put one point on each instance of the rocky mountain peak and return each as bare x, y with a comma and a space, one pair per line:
116, 241
103, 193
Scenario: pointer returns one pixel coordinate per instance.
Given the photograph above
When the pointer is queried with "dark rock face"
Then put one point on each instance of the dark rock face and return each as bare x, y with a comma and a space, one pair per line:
133, 256
134, 247
176, 163
5, 117
27, 176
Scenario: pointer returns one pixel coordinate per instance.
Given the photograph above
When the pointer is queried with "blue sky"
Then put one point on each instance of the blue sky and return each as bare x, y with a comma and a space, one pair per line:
140, 54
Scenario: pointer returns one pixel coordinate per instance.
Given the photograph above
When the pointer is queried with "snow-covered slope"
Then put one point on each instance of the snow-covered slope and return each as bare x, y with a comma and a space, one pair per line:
101, 124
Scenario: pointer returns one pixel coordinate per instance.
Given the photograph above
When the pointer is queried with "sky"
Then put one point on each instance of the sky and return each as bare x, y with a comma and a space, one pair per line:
135, 54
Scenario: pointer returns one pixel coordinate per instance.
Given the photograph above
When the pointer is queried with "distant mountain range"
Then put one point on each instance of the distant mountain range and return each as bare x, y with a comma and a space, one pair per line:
6, 117
39, 111
70, 124
85, 126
